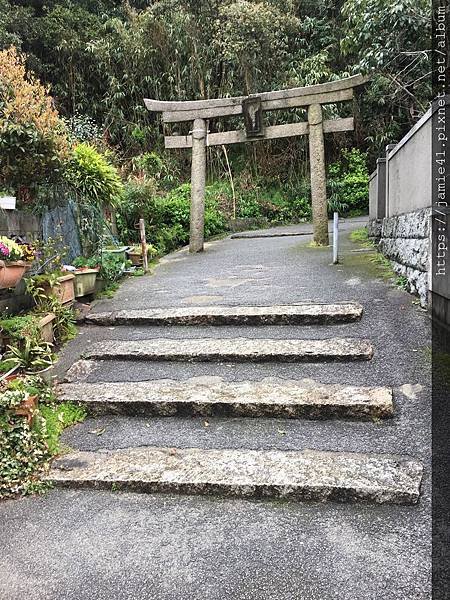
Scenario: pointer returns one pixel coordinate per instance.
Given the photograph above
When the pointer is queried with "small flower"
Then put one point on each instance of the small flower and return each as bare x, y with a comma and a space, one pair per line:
4, 250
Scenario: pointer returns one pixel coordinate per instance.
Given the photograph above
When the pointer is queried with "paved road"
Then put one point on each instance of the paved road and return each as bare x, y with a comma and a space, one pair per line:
71, 545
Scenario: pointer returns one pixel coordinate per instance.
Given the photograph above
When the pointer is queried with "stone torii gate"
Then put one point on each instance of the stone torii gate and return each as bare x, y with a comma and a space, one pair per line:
252, 108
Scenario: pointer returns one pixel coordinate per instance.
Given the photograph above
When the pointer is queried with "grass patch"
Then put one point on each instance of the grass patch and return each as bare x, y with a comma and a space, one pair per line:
109, 291
57, 418
361, 236
314, 244
383, 266
402, 282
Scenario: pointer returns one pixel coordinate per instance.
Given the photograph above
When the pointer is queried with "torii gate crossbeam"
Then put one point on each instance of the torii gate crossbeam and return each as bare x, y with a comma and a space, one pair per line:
252, 108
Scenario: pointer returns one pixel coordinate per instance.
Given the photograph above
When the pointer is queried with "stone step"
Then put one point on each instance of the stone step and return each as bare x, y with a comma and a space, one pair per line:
281, 399
256, 235
233, 350
304, 475
298, 314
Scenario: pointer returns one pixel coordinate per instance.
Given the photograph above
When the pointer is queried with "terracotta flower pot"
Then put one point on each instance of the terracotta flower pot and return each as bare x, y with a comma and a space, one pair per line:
11, 377
27, 408
135, 258
11, 273
46, 327
64, 290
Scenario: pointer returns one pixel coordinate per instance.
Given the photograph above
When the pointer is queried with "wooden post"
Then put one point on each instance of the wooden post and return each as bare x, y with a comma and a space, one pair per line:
318, 176
198, 177
143, 245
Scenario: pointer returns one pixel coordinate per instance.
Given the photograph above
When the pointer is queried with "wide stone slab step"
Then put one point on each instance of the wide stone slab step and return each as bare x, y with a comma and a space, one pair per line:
299, 314
305, 475
233, 350
201, 396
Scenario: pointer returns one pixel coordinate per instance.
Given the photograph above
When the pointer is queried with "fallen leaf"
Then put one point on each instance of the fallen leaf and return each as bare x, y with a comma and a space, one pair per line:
98, 431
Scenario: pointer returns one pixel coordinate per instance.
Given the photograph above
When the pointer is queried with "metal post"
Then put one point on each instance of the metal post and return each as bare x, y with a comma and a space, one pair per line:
198, 177
335, 238
143, 245
318, 176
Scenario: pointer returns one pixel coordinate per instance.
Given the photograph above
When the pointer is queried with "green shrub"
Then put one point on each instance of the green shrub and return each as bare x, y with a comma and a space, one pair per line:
163, 169
137, 201
23, 453
166, 216
275, 202
92, 175
111, 267
348, 183
249, 208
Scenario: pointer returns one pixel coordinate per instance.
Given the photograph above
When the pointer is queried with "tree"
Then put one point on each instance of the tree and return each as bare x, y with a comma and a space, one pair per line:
257, 38
32, 136
392, 40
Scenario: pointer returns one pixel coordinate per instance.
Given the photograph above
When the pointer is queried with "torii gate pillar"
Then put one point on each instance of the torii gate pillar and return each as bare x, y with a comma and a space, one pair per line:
198, 177
318, 175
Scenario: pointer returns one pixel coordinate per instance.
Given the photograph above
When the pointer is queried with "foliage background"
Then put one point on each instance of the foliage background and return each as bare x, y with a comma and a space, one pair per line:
101, 57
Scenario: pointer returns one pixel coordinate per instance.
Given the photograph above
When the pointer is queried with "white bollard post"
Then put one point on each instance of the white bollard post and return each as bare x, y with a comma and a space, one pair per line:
335, 238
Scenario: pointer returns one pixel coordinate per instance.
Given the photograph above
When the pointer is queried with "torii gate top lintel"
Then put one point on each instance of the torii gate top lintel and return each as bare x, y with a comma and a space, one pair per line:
252, 108
321, 93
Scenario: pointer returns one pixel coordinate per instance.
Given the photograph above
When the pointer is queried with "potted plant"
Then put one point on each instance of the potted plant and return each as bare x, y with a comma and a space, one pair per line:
59, 285
45, 325
52, 278
118, 252
14, 261
134, 254
32, 356
37, 326
109, 269
85, 275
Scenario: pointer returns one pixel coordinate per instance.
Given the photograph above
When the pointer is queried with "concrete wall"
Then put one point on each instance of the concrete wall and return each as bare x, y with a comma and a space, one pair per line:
377, 191
400, 198
402, 180
373, 184
408, 170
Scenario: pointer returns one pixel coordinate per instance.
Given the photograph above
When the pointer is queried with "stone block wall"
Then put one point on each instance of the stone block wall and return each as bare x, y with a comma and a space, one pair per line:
16, 222
405, 240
